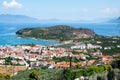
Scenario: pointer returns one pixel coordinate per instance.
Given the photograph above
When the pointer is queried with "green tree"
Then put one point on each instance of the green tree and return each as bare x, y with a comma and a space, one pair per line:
7, 77
34, 75
107, 67
8, 61
69, 74
2, 77
116, 63
111, 75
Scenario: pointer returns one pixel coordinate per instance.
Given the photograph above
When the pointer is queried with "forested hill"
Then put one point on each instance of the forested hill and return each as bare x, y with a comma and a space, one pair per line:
58, 32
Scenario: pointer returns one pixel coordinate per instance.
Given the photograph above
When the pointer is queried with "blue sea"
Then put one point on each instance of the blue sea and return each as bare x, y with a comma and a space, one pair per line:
8, 36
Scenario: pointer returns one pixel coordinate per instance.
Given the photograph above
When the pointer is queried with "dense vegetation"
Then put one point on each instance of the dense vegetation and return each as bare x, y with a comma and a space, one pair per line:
92, 72
59, 32
5, 77
106, 42
105, 72
67, 59
40, 74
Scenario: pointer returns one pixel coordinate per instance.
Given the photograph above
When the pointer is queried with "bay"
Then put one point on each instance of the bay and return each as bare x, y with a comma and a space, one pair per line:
8, 36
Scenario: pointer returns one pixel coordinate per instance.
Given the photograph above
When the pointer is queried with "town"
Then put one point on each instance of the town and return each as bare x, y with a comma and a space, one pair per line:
82, 58
24, 57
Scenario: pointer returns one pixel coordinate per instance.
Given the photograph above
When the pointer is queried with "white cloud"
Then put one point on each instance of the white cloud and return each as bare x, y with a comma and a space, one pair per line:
110, 11
12, 4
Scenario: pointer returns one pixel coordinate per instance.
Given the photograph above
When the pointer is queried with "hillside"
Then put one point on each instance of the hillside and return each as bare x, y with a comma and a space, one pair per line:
115, 20
59, 32
8, 18
118, 19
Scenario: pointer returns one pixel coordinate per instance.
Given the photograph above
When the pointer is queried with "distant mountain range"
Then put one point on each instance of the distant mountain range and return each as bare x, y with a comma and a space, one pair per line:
8, 18
115, 20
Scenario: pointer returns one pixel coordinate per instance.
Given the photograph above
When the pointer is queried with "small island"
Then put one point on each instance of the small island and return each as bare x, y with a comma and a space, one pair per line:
58, 32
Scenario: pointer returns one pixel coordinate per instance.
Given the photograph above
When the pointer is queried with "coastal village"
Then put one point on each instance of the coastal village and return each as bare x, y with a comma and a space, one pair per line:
27, 57
59, 39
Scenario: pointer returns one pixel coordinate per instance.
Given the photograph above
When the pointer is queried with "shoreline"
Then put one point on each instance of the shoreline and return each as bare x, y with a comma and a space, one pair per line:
37, 38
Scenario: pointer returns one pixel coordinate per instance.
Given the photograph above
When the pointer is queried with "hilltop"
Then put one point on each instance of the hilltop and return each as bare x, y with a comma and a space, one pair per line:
58, 32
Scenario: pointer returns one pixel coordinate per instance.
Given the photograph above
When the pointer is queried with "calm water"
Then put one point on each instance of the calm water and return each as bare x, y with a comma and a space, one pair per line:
8, 36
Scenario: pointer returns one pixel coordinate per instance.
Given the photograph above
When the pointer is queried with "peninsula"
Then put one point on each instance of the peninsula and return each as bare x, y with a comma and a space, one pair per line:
58, 32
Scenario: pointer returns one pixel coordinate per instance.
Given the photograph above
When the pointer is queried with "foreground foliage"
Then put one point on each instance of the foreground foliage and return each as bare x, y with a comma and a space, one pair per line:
5, 77
40, 74
61, 74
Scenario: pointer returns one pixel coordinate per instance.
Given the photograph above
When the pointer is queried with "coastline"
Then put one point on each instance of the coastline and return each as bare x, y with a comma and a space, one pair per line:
38, 38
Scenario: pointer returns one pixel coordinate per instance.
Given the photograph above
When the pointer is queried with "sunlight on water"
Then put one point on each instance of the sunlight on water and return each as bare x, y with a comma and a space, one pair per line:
8, 36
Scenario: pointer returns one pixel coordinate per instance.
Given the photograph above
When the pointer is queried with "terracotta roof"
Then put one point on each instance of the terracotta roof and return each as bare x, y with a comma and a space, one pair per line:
82, 63
90, 62
106, 60
51, 62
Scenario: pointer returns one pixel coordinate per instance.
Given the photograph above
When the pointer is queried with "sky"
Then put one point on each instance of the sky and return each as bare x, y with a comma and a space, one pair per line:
62, 9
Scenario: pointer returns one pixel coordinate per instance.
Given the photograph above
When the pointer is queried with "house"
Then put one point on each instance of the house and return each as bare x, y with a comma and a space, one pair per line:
2, 61
90, 62
14, 62
62, 64
105, 48
82, 63
36, 49
90, 46
51, 63
21, 62
67, 42
34, 64
98, 53
2, 56
118, 46
19, 55
79, 46
106, 59
33, 57
26, 47
82, 56
51, 67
